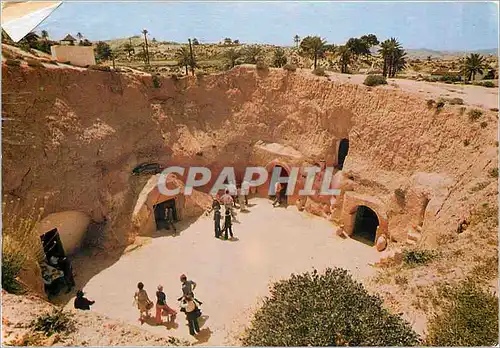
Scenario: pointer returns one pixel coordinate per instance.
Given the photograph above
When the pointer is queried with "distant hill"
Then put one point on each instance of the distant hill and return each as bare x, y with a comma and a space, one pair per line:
423, 53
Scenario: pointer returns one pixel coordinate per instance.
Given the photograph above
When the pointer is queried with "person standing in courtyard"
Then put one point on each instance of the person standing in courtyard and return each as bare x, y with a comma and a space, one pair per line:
231, 187
277, 197
144, 304
192, 314
245, 186
162, 308
188, 287
227, 200
241, 200
217, 218
169, 217
228, 225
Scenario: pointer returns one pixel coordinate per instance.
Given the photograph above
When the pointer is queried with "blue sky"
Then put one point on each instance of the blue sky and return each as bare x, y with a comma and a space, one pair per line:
440, 26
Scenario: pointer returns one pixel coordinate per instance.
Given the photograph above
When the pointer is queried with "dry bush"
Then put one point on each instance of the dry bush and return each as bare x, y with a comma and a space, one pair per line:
484, 124
456, 101
290, 67
466, 142
319, 71
21, 243
474, 114
100, 67
430, 103
13, 62
34, 63
262, 66
413, 258
469, 318
375, 80
493, 172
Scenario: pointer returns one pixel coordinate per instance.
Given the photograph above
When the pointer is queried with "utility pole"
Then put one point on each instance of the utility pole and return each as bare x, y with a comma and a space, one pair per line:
191, 55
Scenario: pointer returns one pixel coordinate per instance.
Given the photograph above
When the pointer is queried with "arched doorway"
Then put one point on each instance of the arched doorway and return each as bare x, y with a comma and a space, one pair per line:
365, 225
343, 150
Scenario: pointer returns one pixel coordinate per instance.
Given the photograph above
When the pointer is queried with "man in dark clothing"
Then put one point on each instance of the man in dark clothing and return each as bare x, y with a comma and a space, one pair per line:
217, 217
82, 302
169, 216
188, 287
228, 224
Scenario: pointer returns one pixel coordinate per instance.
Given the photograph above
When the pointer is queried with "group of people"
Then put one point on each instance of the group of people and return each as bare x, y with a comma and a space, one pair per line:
228, 200
188, 303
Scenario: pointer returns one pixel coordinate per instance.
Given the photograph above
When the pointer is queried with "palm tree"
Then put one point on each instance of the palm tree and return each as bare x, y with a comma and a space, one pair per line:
393, 55
279, 58
146, 52
79, 36
296, 39
473, 65
45, 35
313, 46
183, 57
344, 53
192, 60
232, 56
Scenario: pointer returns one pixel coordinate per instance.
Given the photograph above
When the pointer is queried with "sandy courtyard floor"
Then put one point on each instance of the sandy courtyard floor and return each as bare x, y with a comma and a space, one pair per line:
232, 276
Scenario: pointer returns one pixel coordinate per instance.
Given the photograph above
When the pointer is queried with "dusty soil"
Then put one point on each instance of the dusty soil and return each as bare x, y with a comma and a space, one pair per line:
232, 276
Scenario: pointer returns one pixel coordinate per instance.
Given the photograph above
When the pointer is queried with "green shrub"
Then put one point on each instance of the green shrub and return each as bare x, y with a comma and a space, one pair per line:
440, 105
413, 258
156, 81
400, 196
290, 67
375, 80
474, 114
469, 318
325, 310
319, 71
56, 322
449, 78
13, 62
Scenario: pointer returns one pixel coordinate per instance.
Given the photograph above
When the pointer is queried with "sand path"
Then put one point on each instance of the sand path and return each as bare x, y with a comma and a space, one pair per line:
232, 276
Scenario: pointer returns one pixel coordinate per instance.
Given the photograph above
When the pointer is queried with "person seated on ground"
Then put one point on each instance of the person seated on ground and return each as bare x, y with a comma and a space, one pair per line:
162, 308
192, 314
82, 302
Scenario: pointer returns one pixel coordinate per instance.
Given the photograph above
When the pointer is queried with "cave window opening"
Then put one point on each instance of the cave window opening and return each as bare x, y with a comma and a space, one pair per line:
343, 150
160, 216
365, 225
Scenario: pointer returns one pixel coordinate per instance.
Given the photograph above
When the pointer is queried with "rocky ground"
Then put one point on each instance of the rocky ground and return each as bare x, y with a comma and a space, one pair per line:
89, 328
